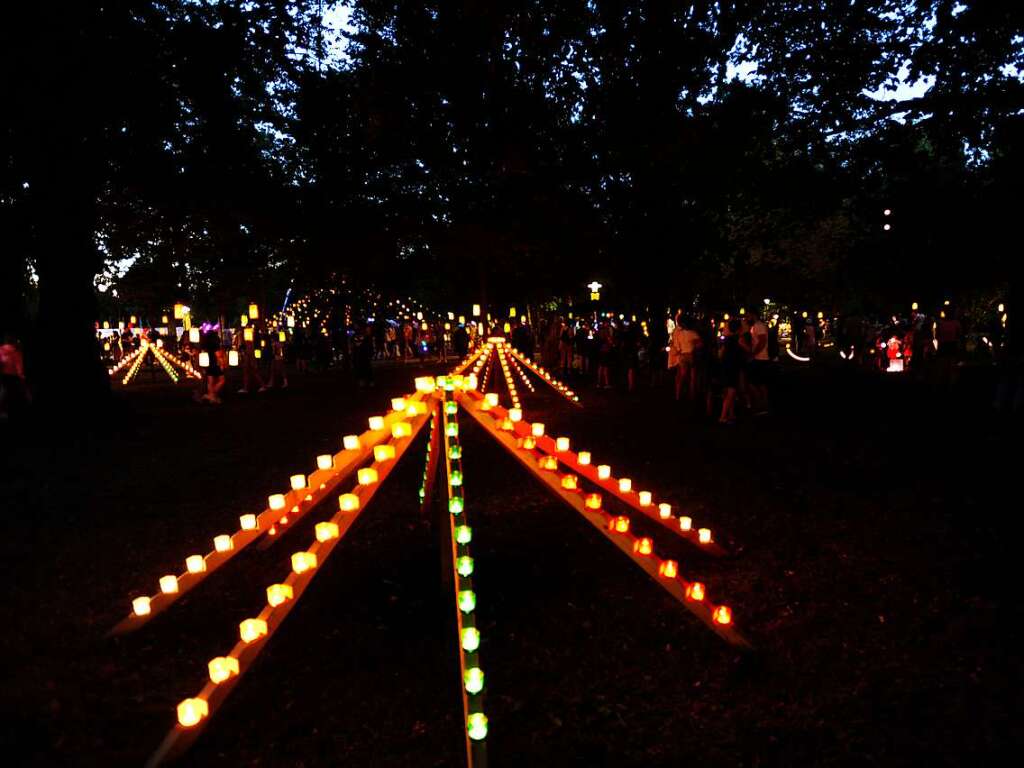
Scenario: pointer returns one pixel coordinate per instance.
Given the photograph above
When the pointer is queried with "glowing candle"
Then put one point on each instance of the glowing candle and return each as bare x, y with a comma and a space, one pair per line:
279, 593
722, 615
463, 534
383, 452
515, 414
204, 359
401, 429
491, 398
425, 384
664, 511
398, 403
619, 524
303, 561
376, 423
252, 629
695, 591
643, 546
415, 409
248, 522
350, 442
592, 501
669, 569
529, 443
276, 501
456, 479
456, 505
455, 451
583, 457
685, 524
140, 606
298, 482
326, 531
169, 584
537, 429
191, 711
604, 472
625, 485
223, 543
562, 444
195, 564
325, 461
470, 639
549, 463
644, 498
464, 565
233, 357
569, 482
476, 726
473, 680
222, 667
348, 502
452, 430
467, 600
704, 535
367, 476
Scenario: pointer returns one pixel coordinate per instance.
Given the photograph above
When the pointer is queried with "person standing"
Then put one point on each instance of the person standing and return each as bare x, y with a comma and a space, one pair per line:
758, 370
732, 358
683, 348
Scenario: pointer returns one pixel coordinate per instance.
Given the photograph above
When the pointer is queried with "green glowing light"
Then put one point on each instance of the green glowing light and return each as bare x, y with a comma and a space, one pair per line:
450, 407
455, 452
456, 478
463, 534
474, 680
464, 565
453, 430
455, 505
476, 726
467, 600
423, 492
470, 639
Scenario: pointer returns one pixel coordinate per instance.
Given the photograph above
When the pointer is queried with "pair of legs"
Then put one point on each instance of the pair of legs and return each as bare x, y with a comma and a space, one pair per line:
602, 376
686, 373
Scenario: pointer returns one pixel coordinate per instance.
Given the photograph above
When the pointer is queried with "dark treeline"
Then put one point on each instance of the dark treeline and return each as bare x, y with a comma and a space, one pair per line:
511, 149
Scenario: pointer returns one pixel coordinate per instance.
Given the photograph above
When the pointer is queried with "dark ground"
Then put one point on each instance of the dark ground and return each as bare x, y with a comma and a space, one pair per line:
874, 537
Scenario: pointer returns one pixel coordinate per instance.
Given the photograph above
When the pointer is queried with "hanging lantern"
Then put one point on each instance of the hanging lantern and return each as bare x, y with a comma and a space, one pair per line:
254, 311
222, 667
279, 593
243, 320
247, 334
179, 311
251, 630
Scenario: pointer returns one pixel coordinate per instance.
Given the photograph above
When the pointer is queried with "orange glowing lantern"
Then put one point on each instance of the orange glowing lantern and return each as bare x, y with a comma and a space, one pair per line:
223, 543
140, 606
603, 472
279, 593
191, 711
348, 502
619, 524
350, 442
695, 591
643, 546
325, 461
276, 501
195, 564
644, 498
376, 423
704, 535
367, 476
383, 452
537, 429
529, 443
254, 312
401, 429
251, 630
247, 334
298, 482
204, 359
491, 398
221, 668
326, 531
562, 444
685, 524
398, 403
233, 358
303, 561
583, 457
169, 584
669, 569
248, 522
664, 511
425, 384
515, 414
593, 501
569, 482
625, 485
722, 615
549, 463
